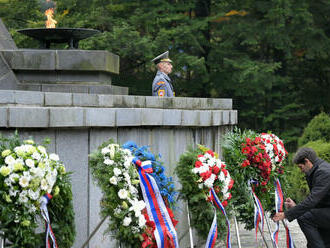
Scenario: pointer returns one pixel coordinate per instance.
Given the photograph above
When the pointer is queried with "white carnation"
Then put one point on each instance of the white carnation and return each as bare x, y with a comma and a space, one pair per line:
137, 206
54, 157
36, 156
29, 162
113, 180
23, 197
108, 161
42, 149
13, 177
24, 181
117, 172
44, 184
34, 195
123, 194
9, 160
127, 221
142, 221
105, 150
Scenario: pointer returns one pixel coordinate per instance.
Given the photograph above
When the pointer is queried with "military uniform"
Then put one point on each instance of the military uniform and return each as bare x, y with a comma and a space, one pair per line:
162, 86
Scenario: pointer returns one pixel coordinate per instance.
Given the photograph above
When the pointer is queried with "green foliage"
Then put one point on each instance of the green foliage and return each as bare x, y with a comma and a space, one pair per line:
321, 148
201, 211
317, 129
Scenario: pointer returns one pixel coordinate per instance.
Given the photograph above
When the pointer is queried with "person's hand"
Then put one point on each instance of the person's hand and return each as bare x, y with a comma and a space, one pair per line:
289, 203
278, 216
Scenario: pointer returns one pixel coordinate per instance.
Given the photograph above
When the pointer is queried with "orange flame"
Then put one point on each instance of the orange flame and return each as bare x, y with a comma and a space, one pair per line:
50, 23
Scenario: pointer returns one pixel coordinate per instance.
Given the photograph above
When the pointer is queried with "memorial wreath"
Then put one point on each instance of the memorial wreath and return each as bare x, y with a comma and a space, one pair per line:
29, 178
136, 195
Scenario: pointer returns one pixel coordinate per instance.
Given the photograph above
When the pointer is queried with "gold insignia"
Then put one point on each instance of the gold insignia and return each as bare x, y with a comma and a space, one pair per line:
161, 93
161, 82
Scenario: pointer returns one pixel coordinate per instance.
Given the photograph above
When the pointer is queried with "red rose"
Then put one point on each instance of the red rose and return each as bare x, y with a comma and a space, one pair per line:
215, 170
200, 156
198, 164
224, 203
245, 149
206, 175
231, 183
257, 140
248, 140
210, 152
245, 163
224, 172
229, 197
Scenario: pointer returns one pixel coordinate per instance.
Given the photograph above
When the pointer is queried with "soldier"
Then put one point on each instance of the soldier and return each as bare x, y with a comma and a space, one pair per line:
161, 85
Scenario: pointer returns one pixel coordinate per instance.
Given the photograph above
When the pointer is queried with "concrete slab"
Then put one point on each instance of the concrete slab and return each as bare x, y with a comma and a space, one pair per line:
100, 117
28, 117
66, 117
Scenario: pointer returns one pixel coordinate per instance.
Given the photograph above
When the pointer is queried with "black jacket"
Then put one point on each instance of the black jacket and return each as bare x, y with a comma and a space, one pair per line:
318, 180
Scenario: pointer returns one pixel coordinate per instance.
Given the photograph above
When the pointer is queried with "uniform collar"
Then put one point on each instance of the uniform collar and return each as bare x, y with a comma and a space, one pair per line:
164, 75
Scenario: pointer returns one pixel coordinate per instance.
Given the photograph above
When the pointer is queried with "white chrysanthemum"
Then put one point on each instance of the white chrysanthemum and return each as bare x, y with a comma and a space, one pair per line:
38, 172
137, 206
142, 221
13, 192
222, 176
34, 195
108, 161
127, 221
23, 197
51, 179
209, 182
13, 177
54, 157
29, 162
117, 172
7, 181
123, 194
105, 150
42, 149
127, 177
9, 160
36, 156
43, 184
127, 163
133, 190
24, 181
113, 180
204, 168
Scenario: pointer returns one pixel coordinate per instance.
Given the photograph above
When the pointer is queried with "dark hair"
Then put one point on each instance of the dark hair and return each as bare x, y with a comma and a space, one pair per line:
303, 153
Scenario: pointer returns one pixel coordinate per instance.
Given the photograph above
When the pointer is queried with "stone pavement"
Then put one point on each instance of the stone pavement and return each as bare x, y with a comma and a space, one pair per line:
248, 238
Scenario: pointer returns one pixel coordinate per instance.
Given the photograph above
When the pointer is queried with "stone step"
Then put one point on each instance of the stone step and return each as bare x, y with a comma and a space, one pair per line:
74, 88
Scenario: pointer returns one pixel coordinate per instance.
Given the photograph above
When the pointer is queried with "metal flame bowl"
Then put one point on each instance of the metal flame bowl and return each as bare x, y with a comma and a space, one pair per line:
71, 36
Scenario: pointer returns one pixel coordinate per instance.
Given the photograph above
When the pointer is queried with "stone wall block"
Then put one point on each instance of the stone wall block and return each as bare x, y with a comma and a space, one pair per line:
152, 117
205, 118
30, 59
3, 116
168, 102
85, 99
128, 117
28, 117
66, 117
133, 101
100, 117
225, 117
233, 117
190, 118
181, 103
154, 102
221, 103
29, 97
194, 103
119, 90
172, 117
105, 100
216, 117
7, 96
58, 99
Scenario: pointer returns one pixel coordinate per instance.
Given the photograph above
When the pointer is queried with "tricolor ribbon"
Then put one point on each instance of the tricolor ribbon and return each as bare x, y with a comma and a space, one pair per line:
213, 233
44, 212
258, 210
279, 200
165, 233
